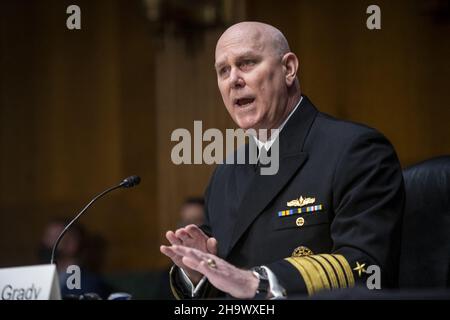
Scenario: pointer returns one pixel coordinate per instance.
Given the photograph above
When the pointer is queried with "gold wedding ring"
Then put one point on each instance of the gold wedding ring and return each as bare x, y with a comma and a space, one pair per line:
211, 263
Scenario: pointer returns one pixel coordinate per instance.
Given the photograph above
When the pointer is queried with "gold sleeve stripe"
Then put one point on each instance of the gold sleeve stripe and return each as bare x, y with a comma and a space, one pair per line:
314, 274
323, 271
174, 291
303, 273
347, 269
328, 269
320, 270
337, 268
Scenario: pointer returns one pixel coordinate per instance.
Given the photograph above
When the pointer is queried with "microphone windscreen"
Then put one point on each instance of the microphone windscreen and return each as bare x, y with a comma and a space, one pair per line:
131, 182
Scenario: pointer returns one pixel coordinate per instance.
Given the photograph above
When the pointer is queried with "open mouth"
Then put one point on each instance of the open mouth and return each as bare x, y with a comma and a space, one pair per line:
243, 102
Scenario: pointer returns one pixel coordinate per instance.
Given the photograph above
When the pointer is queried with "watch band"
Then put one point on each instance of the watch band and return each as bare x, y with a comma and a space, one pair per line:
263, 290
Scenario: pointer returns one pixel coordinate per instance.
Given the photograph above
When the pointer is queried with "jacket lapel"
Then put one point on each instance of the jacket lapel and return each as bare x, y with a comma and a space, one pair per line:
264, 188
239, 180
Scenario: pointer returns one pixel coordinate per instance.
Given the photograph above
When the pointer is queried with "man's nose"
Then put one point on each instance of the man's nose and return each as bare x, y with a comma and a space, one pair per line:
236, 79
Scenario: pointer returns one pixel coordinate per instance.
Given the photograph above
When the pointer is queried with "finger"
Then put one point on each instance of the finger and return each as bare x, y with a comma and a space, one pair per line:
177, 259
189, 252
205, 269
198, 260
199, 266
195, 232
182, 234
181, 250
211, 245
165, 251
168, 252
191, 263
170, 235
171, 254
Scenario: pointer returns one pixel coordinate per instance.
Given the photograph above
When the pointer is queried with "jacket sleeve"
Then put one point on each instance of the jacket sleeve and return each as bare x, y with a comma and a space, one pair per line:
368, 200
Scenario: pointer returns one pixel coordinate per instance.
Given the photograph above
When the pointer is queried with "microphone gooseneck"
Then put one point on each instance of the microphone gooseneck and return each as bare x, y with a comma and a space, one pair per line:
126, 183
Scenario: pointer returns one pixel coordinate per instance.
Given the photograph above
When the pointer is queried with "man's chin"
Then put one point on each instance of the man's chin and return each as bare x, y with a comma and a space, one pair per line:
245, 125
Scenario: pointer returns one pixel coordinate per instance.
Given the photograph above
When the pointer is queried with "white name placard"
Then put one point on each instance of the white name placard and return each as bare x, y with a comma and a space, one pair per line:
30, 283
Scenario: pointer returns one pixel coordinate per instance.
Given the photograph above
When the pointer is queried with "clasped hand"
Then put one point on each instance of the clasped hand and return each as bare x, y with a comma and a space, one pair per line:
196, 253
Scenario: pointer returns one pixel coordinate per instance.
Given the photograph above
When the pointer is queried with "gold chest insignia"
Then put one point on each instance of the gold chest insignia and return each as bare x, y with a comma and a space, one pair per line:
301, 252
300, 202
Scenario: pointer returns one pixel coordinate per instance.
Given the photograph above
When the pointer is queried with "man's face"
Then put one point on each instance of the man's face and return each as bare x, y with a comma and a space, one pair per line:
251, 80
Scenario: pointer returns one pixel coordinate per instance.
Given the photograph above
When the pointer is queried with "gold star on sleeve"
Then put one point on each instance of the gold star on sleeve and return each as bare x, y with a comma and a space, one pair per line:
359, 268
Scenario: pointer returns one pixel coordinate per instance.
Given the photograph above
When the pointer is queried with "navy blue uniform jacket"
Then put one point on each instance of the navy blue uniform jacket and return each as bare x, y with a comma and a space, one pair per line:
354, 177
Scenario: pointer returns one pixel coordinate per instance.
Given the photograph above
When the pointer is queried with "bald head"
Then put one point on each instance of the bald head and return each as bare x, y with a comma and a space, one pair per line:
261, 35
257, 75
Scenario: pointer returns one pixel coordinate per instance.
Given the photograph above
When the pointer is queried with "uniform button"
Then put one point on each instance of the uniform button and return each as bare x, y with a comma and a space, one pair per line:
300, 222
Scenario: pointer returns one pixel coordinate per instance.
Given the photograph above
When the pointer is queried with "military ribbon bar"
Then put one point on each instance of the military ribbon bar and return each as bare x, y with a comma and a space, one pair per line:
290, 212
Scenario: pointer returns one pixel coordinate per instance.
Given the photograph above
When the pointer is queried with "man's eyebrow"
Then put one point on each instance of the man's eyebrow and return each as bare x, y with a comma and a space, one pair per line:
240, 56
247, 54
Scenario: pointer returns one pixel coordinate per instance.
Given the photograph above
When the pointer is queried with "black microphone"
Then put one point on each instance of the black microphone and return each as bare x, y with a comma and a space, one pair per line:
130, 182
126, 183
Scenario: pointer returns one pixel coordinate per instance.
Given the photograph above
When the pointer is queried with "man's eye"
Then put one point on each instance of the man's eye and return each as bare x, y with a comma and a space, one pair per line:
247, 64
223, 71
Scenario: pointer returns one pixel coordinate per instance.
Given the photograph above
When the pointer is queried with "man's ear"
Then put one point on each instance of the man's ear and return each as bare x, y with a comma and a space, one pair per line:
290, 63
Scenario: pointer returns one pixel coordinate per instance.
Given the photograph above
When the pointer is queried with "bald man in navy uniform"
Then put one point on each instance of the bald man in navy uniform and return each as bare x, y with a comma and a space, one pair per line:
332, 210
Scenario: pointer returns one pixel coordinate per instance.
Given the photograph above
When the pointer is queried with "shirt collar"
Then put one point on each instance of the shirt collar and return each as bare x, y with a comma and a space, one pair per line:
270, 141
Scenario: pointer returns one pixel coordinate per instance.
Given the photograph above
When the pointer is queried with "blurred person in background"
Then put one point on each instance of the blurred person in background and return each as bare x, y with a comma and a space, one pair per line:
77, 248
192, 211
